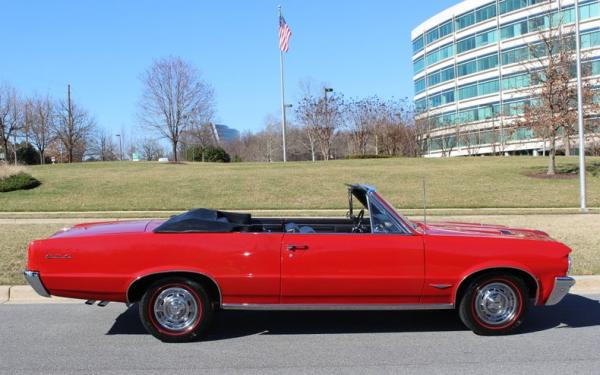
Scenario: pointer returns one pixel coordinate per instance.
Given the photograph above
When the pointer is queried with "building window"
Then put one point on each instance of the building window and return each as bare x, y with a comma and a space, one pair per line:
487, 62
478, 89
439, 54
447, 74
538, 23
485, 12
515, 81
589, 40
475, 16
513, 30
515, 55
466, 68
421, 105
465, 20
420, 85
419, 65
433, 35
591, 10
418, 44
510, 5
467, 92
446, 29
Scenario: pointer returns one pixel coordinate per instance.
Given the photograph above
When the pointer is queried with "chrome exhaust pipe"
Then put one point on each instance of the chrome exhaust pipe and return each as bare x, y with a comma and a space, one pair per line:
102, 303
90, 302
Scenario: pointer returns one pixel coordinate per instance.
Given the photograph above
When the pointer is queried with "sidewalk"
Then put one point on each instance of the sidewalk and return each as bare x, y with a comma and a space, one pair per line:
21, 294
5, 216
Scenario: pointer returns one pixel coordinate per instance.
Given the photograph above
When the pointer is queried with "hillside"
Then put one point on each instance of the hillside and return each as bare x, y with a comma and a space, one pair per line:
451, 183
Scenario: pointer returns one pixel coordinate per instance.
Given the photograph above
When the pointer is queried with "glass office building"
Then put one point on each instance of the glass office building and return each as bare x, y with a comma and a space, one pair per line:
472, 65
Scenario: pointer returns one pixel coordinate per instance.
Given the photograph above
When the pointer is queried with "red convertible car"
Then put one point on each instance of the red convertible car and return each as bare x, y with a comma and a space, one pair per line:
185, 269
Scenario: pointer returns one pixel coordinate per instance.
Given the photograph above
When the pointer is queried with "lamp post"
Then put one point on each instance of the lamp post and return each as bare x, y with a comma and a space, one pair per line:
120, 147
582, 187
326, 90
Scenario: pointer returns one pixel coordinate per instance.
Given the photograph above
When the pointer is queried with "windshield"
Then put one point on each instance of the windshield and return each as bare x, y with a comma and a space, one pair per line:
390, 208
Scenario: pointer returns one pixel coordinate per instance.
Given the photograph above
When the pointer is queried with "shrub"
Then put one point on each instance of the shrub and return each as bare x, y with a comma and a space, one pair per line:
209, 154
27, 154
18, 181
216, 154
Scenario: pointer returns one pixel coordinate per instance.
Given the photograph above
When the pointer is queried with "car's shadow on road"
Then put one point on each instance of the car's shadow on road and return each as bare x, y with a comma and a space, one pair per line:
573, 311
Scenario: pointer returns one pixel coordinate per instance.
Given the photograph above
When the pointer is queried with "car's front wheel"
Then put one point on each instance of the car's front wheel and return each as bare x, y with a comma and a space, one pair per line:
494, 304
175, 310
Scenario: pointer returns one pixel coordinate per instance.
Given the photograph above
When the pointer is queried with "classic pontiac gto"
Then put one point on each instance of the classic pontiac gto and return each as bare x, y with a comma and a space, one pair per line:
183, 270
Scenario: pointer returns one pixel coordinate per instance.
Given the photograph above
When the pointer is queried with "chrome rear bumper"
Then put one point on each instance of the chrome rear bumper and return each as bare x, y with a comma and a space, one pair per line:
33, 278
560, 290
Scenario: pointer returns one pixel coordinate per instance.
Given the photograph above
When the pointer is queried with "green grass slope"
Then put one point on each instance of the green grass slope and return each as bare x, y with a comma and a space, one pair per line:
451, 183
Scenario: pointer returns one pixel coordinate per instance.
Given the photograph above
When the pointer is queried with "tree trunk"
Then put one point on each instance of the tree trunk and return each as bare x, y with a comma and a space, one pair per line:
5, 148
42, 157
567, 143
552, 164
174, 151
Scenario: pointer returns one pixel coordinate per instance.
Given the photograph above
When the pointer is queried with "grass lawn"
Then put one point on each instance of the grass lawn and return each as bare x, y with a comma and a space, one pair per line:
580, 232
451, 183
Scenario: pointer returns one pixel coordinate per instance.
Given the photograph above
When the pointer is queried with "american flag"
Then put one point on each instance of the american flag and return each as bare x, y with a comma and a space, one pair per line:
284, 35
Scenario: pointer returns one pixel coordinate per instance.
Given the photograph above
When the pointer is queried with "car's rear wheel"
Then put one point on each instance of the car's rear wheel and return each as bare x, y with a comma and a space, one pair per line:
494, 304
176, 309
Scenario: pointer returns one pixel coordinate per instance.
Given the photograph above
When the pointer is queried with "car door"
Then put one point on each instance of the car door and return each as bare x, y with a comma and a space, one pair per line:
384, 267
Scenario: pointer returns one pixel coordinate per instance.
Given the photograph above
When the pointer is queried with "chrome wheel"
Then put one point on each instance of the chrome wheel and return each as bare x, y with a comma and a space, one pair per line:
496, 303
176, 309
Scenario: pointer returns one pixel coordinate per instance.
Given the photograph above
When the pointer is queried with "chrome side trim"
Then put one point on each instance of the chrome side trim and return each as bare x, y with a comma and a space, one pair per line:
33, 278
337, 307
561, 288
220, 302
440, 286
537, 283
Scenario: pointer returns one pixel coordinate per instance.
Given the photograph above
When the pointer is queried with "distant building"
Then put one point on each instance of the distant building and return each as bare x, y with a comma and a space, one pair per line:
224, 133
470, 70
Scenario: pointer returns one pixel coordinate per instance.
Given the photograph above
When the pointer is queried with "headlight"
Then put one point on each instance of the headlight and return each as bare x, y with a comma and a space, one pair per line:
570, 267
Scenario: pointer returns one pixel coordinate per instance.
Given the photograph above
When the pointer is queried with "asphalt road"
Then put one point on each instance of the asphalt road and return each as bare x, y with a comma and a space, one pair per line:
66, 338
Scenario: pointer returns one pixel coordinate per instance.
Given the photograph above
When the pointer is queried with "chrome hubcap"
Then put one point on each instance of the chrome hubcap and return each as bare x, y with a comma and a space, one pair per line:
175, 309
496, 303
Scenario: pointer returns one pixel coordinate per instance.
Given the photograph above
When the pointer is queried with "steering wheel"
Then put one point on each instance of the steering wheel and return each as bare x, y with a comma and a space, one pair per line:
358, 227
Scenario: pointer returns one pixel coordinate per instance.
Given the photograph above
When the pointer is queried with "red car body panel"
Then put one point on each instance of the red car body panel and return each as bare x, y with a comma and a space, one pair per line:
100, 261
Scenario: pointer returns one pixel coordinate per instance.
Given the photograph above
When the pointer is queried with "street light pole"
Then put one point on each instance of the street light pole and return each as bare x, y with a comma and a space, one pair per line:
326, 90
582, 187
120, 147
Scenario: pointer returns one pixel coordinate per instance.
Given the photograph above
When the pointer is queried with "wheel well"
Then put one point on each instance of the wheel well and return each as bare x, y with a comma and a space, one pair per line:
530, 281
138, 287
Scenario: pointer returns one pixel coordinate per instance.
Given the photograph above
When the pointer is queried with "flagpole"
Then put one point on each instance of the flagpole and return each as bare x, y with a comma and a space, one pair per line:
582, 187
282, 98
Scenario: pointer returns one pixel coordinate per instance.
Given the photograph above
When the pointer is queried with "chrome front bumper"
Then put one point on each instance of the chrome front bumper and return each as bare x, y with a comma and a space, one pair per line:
560, 290
33, 278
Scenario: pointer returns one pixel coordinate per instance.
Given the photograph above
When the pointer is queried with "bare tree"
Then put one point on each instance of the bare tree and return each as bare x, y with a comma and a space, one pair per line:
10, 117
151, 149
552, 109
174, 99
360, 118
73, 127
42, 123
321, 117
102, 146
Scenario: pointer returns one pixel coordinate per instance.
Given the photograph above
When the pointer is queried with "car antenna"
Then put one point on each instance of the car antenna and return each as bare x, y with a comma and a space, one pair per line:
424, 203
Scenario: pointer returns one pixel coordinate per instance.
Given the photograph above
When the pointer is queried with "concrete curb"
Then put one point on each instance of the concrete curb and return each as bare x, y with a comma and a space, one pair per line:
22, 294
4, 293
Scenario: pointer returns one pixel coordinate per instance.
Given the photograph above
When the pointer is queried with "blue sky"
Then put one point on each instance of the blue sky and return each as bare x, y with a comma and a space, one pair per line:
359, 48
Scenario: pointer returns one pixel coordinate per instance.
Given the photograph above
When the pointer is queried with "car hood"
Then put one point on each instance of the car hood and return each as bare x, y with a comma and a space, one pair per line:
480, 230
104, 228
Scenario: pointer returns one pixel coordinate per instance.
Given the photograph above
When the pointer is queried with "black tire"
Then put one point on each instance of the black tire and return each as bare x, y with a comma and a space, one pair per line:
186, 296
480, 318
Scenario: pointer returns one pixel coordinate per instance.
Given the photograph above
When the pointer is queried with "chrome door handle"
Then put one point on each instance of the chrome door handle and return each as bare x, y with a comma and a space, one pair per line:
297, 247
